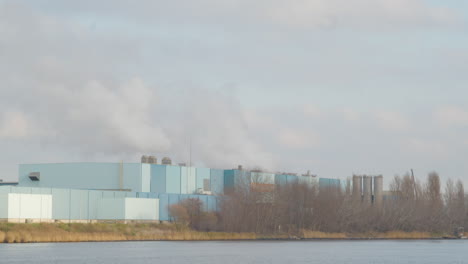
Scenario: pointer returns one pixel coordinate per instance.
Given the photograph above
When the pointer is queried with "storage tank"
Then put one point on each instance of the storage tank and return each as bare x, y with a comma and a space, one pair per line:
152, 160
166, 161
378, 190
367, 189
144, 159
347, 187
357, 187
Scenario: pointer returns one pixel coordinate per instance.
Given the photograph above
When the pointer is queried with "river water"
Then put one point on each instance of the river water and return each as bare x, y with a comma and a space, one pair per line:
323, 252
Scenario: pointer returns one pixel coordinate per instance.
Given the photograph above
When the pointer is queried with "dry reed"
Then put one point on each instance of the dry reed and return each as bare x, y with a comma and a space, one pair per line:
405, 235
29, 233
308, 234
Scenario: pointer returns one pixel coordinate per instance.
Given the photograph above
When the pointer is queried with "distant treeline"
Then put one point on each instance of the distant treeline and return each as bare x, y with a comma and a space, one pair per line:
409, 206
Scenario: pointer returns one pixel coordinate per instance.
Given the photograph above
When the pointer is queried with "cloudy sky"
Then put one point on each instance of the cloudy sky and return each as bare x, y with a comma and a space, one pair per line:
334, 86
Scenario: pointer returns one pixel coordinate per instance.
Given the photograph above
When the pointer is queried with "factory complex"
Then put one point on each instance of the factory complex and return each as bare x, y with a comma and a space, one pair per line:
90, 192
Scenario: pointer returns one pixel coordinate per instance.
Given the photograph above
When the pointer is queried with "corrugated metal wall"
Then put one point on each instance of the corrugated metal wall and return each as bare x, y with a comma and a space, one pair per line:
188, 180
128, 209
217, 181
210, 203
327, 183
229, 182
69, 204
173, 179
158, 178
83, 176
17, 206
145, 178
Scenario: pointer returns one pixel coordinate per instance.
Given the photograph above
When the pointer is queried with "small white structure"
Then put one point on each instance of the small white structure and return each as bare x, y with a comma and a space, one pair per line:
20, 207
142, 209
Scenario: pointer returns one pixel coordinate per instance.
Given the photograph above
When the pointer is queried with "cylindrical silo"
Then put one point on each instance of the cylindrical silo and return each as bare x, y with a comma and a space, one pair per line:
367, 189
357, 187
378, 190
348, 187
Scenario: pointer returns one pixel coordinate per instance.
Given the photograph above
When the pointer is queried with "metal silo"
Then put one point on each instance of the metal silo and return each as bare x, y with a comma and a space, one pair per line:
347, 187
378, 190
367, 189
357, 187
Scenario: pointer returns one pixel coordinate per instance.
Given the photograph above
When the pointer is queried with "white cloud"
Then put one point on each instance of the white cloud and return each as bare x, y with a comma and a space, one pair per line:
392, 121
360, 13
374, 14
312, 111
351, 115
426, 148
75, 86
297, 140
14, 125
451, 115
95, 94
118, 119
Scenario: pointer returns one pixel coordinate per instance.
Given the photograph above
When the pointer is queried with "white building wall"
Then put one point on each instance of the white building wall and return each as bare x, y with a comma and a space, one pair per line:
26, 206
141, 209
128, 209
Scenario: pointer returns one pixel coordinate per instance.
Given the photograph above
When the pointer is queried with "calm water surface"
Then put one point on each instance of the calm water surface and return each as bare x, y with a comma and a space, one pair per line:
324, 252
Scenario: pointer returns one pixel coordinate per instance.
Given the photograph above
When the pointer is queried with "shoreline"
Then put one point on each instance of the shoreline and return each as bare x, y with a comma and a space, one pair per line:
118, 232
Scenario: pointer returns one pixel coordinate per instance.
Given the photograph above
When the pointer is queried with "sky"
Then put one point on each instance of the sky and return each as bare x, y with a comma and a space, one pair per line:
337, 87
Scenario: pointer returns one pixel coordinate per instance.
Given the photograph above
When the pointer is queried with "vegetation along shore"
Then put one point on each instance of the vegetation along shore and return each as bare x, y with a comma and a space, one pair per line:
60, 232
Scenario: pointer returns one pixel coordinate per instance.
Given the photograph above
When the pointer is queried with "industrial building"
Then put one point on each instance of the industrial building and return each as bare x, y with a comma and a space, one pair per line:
86, 192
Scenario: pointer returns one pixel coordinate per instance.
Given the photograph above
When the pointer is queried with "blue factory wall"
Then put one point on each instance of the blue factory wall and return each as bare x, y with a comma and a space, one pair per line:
217, 181
143, 177
282, 179
72, 204
188, 180
328, 183
98, 176
209, 203
236, 178
173, 179
158, 178
77, 188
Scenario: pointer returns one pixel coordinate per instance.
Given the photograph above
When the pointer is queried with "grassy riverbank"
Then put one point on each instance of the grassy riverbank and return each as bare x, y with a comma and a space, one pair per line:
27, 233
30, 233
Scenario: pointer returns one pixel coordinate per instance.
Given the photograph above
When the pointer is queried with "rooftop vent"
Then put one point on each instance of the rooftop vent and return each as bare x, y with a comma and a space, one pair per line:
166, 161
34, 176
152, 160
